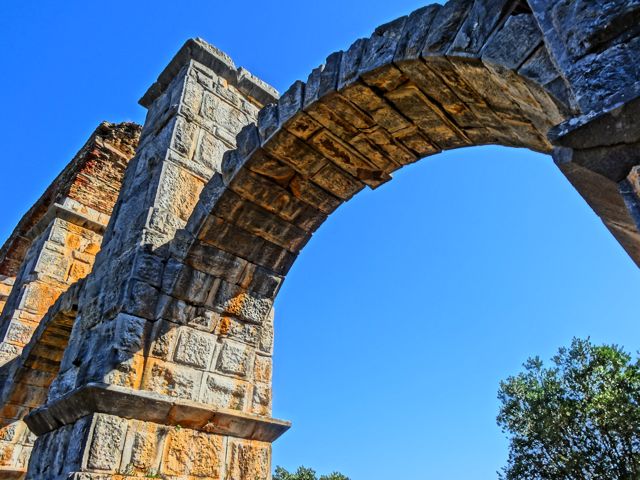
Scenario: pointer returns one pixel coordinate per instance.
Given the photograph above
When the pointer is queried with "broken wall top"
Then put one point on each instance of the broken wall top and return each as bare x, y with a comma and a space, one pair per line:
91, 181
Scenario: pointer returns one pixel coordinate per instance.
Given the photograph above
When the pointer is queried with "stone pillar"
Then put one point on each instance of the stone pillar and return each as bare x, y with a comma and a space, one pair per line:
6, 284
55, 242
65, 243
153, 384
599, 154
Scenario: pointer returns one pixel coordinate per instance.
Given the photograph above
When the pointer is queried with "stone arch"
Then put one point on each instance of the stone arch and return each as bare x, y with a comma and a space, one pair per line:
419, 85
179, 303
25, 381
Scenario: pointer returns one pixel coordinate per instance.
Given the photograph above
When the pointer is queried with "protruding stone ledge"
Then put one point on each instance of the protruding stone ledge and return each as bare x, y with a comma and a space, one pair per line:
9, 473
152, 407
88, 219
617, 124
218, 61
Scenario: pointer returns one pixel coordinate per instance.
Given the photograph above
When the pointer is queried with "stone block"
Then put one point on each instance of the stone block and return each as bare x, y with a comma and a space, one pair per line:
514, 42
240, 331
415, 33
445, 25
261, 399
262, 369
130, 333
194, 348
294, 152
163, 336
234, 359
481, 21
224, 392
142, 452
382, 45
337, 182
172, 379
242, 304
248, 460
107, 438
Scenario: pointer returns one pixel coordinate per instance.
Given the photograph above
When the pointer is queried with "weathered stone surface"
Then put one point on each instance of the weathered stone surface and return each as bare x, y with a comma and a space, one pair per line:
511, 46
445, 26
382, 45
195, 348
193, 453
158, 360
481, 20
224, 392
107, 434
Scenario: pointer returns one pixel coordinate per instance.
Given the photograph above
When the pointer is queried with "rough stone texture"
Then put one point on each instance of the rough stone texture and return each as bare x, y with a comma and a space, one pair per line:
596, 45
167, 369
92, 180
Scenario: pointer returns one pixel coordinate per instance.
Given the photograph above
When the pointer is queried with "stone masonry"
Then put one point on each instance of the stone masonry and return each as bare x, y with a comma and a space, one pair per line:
144, 349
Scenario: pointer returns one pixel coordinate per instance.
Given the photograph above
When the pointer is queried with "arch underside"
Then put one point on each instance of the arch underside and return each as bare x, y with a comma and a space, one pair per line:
420, 85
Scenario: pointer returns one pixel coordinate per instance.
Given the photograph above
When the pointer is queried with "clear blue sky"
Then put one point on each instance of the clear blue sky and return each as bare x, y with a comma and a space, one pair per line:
412, 302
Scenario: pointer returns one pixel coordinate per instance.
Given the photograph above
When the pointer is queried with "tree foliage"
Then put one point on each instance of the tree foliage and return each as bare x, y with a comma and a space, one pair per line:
304, 473
577, 420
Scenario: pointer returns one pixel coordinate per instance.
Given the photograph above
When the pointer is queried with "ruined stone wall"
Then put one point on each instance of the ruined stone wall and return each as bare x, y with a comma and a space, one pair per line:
55, 244
162, 358
596, 45
54, 247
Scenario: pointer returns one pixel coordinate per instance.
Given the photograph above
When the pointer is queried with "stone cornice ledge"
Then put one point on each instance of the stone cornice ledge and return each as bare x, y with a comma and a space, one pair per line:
151, 407
218, 61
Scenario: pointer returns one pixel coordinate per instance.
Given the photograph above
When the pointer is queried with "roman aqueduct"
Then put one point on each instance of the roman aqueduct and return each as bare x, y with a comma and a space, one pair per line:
137, 293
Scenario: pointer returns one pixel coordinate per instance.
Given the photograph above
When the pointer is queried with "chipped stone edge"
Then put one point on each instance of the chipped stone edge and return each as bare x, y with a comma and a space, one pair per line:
218, 61
59, 210
561, 134
152, 407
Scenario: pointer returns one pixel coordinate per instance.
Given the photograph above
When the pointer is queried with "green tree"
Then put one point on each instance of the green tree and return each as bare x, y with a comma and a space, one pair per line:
304, 473
577, 420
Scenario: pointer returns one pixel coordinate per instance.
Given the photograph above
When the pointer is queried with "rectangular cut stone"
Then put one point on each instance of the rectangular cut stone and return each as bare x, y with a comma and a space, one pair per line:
514, 42
195, 348
444, 26
290, 102
245, 305
340, 116
234, 359
329, 75
433, 86
383, 114
260, 222
216, 262
224, 392
173, 380
248, 460
314, 195
107, 438
539, 67
350, 63
272, 197
239, 242
294, 152
338, 182
415, 33
193, 453
382, 45
269, 167
340, 154
415, 105
302, 125
417, 143
481, 20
